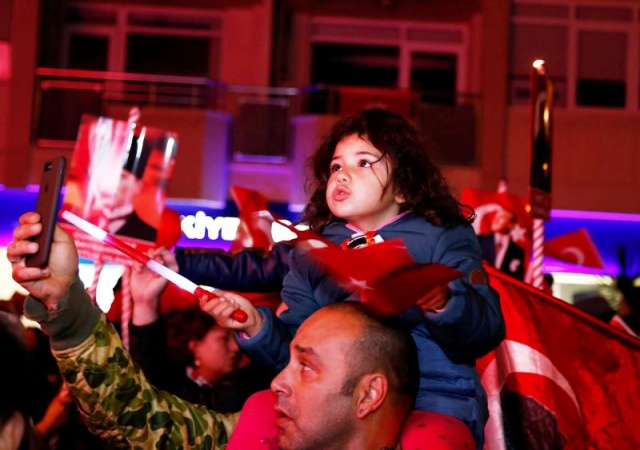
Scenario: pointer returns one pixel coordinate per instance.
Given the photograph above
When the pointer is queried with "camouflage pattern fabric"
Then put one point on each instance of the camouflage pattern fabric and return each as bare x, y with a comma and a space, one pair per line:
124, 410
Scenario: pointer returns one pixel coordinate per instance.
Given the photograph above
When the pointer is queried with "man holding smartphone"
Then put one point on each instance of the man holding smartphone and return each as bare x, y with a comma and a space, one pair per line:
351, 382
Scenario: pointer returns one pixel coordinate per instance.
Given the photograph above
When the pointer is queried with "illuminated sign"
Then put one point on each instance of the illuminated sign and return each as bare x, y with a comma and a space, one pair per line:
201, 226
205, 226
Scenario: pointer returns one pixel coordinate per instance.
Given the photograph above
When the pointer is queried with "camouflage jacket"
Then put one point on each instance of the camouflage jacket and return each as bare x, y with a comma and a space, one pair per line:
121, 407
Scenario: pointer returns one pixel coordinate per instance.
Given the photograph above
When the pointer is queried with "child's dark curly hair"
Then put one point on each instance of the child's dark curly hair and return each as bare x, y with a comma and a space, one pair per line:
414, 175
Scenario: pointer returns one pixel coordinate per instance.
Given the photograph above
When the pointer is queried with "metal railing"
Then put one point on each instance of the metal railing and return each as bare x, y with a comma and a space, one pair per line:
63, 95
77, 92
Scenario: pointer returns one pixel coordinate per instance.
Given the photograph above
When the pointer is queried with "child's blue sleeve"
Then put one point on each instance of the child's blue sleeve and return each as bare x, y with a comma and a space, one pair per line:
270, 346
305, 290
471, 324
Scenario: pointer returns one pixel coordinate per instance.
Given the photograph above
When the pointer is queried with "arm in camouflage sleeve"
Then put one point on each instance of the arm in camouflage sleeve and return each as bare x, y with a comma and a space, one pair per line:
122, 408
119, 404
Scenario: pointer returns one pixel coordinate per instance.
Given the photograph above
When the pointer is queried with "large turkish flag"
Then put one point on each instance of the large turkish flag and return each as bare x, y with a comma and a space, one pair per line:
561, 378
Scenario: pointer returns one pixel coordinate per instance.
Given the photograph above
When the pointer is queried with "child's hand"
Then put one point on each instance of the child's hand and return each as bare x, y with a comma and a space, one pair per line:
221, 304
435, 300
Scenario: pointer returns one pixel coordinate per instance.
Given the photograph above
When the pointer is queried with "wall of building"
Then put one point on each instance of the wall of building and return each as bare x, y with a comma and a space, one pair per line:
5, 64
595, 151
16, 150
596, 159
245, 60
246, 47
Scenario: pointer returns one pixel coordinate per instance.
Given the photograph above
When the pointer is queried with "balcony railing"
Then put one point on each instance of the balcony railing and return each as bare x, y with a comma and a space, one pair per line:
261, 113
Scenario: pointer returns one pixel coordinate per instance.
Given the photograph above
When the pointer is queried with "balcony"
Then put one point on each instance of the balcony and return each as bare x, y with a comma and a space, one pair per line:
260, 117
258, 137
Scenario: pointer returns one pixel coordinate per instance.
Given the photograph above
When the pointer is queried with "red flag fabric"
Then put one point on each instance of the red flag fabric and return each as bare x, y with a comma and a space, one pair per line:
308, 238
254, 231
169, 231
393, 284
575, 248
561, 378
618, 322
487, 203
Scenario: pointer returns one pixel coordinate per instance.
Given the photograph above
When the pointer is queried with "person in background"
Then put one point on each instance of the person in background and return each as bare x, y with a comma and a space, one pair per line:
52, 418
498, 247
16, 430
124, 218
628, 310
374, 181
189, 354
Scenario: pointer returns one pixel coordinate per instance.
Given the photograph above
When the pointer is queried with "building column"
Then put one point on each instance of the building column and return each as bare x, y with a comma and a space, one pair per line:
495, 88
23, 38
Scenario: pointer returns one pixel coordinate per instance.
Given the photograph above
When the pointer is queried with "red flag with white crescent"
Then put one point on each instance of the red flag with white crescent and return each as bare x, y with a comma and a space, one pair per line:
561, 378
487, 203
576, 247
391, 285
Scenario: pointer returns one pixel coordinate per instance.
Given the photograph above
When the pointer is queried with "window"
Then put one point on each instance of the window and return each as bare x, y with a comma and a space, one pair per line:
588, 49
88, 52
434, 76
531, 42
159, 41
167, 55
422, 57
355, 65
601, 69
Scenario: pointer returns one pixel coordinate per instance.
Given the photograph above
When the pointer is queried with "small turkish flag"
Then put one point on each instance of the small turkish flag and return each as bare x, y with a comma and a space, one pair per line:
385, 274
576, 247
254, 231
487, 203
308, 238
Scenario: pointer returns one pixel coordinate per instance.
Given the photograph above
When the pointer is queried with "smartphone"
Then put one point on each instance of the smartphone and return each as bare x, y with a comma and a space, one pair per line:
47, 206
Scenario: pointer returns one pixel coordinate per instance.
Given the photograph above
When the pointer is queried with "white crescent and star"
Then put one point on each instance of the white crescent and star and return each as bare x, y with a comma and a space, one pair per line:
518, 234
483, 210
359, 284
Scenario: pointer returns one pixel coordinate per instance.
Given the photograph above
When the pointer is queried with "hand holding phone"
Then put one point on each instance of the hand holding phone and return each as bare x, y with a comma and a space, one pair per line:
47, 206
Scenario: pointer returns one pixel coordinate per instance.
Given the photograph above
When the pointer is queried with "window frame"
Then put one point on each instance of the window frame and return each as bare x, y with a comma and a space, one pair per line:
402, 30
118, 32
574, 27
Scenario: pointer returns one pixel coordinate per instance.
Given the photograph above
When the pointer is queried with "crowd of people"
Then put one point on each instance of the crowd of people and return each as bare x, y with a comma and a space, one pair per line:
341, 377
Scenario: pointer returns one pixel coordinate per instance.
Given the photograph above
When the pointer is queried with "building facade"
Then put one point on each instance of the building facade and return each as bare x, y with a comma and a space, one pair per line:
251, 85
